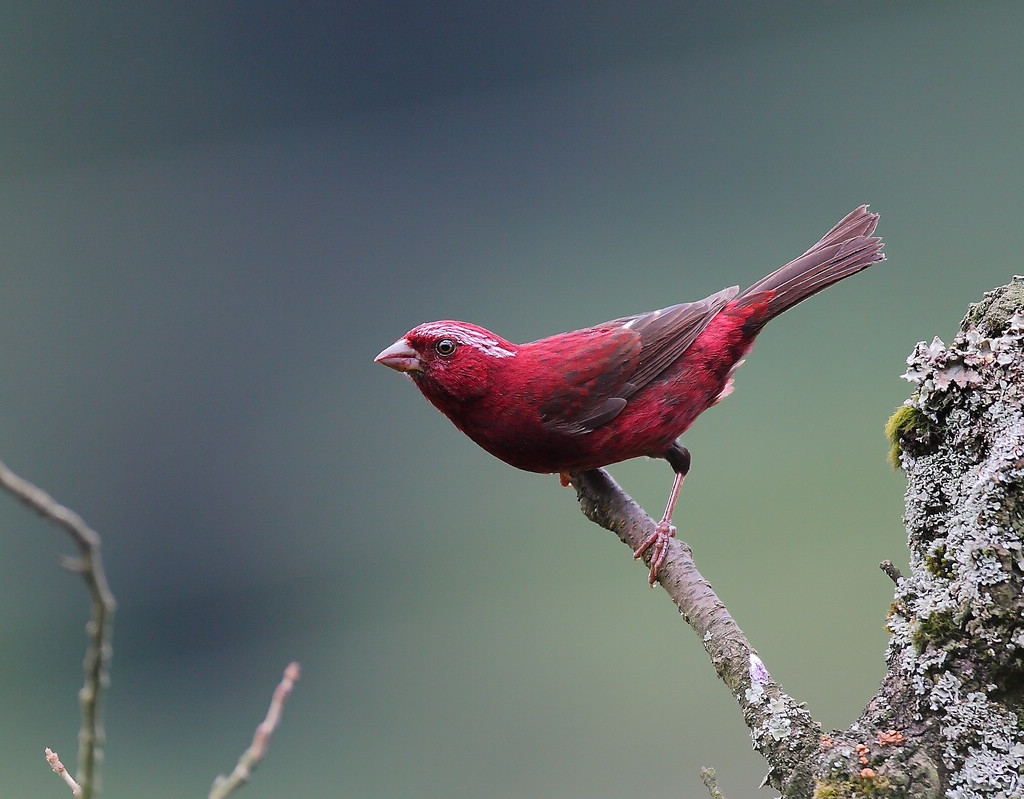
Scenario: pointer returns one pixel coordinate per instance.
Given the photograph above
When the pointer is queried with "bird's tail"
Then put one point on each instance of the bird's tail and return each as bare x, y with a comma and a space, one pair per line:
845, 250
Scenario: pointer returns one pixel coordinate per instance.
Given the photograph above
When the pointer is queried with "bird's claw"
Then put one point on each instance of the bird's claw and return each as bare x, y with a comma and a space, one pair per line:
659, 539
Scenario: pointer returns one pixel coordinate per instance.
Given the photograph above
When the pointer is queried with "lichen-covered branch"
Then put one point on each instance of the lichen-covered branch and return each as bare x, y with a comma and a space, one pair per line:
98, 651
957, 648
948, 720
781, 730
710, 780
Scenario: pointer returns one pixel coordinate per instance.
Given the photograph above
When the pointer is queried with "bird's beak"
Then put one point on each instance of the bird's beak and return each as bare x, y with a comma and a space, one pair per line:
401, 357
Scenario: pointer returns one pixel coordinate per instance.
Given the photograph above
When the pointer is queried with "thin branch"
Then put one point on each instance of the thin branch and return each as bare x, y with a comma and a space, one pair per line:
60, 771
222, 786
98, 652
892, 570
710, 780
782, 731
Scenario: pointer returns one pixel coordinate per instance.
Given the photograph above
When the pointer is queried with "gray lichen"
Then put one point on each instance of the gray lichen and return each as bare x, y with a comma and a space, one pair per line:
958, 619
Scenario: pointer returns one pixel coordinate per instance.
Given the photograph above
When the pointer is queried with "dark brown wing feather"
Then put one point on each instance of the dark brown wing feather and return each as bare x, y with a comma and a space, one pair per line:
668, 333
619, 358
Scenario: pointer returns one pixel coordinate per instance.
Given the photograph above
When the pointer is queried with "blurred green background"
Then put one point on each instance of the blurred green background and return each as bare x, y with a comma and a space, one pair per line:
213, 216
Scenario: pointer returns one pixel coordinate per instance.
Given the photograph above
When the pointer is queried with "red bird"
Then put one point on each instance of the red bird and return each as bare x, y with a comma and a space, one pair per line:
629, 387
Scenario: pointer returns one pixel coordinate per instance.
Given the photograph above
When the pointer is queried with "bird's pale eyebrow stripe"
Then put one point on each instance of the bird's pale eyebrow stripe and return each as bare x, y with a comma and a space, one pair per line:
473, 338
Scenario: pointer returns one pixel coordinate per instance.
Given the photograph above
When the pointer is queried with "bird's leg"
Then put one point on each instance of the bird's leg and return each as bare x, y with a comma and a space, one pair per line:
664, 532
679, 458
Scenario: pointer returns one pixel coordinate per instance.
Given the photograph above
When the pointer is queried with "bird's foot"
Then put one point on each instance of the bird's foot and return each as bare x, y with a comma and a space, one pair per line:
659, 539
564, 479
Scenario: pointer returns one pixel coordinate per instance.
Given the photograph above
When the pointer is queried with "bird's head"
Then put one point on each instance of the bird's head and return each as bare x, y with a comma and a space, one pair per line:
449, 361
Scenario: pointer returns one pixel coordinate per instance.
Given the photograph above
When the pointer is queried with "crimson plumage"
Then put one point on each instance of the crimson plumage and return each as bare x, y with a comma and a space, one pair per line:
622, 389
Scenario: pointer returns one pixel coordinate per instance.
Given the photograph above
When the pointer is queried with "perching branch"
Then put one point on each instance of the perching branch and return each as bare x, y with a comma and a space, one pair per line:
222, 786
98, 652
948, 720
781, 730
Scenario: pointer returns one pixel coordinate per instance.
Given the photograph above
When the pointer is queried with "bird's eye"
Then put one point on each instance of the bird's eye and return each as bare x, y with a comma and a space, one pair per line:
445, 347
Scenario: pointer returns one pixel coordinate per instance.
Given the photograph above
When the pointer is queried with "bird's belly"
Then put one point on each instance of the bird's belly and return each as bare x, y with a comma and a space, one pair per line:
546, 452
648, 425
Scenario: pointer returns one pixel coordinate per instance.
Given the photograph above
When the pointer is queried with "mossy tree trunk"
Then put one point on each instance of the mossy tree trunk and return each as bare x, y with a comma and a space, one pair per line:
954, 690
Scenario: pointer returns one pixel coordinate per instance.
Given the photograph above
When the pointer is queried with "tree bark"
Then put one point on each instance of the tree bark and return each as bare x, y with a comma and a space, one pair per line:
948, 720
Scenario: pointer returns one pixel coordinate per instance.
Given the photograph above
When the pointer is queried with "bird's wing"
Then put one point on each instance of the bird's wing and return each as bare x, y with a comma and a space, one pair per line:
605, 365
668, 333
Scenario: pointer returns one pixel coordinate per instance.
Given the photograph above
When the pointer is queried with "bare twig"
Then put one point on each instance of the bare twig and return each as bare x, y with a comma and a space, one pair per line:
222, 786
60, 771
892, 570
781, 729
98, 652
710, 780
